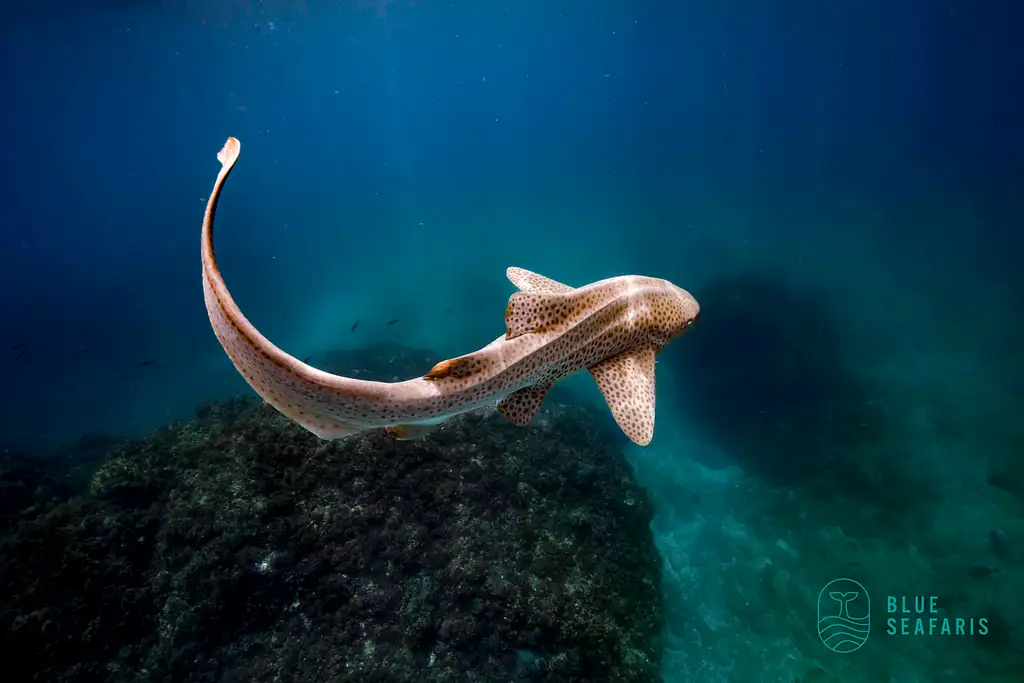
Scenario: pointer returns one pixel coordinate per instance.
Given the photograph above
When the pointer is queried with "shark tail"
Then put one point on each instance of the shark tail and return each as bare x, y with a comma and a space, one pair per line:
327, 405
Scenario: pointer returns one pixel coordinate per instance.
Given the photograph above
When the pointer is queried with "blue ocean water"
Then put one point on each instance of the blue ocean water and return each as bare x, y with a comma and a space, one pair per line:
839, 185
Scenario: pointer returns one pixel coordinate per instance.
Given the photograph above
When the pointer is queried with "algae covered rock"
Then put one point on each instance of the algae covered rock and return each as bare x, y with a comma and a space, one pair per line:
235, 546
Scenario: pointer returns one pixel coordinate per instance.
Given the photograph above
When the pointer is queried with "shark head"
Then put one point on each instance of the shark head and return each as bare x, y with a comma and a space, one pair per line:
686, 309
671, 311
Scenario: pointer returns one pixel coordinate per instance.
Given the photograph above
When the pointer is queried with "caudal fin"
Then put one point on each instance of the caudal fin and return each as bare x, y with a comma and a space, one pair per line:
228, 154
327, 405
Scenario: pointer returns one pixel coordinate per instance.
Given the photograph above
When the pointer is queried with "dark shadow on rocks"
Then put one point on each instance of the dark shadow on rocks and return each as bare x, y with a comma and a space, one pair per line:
31, 482
235, 546
762, 374
1007, 467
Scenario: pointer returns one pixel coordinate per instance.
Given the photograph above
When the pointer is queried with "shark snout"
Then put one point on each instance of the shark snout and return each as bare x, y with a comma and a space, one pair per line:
688, 306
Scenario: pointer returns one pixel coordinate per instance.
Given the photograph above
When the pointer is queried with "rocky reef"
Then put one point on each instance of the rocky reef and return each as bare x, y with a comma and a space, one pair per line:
234, 546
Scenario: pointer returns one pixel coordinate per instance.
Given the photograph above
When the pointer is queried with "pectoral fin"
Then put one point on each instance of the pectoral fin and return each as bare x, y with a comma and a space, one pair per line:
520, 407
627, 383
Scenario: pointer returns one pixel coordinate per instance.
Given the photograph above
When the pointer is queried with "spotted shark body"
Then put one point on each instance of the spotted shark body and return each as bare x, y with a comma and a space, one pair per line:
613, 328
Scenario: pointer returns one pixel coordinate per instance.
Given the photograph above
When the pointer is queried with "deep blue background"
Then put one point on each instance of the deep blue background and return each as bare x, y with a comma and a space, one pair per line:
681, 130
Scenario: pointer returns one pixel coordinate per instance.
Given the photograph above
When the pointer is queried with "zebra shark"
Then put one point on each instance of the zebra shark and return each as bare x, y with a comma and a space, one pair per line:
612, 328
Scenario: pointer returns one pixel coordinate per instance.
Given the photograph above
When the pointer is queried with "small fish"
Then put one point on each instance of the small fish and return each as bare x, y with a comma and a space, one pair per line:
144, 364
981, 571
19, 346
286, 314
997, 541
81, 350
307, 359
354, 326
393, 321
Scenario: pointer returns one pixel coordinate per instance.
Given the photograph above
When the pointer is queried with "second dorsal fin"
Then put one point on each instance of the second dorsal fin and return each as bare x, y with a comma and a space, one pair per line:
455, 368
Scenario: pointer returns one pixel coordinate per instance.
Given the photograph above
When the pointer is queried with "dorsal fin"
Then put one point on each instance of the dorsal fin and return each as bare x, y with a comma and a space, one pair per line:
533, 312
529, 281
627, 382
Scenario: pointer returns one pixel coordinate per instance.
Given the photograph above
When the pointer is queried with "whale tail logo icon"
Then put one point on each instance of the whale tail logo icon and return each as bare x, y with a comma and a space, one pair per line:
844, 615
